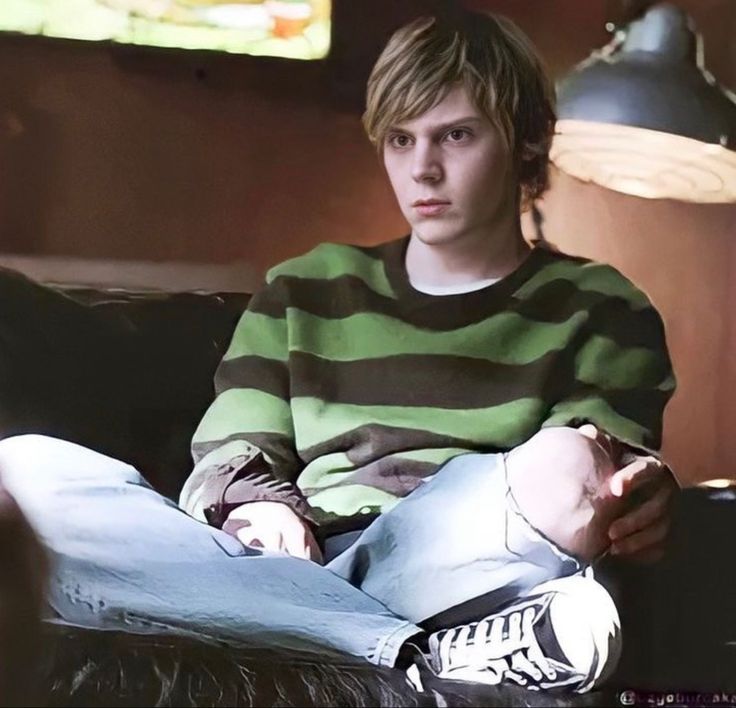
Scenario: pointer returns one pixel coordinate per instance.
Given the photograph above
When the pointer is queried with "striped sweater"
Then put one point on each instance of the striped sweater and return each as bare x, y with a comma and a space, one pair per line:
343, 386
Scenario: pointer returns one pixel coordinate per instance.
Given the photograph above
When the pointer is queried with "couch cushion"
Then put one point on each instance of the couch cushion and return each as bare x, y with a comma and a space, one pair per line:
174, 344
54, 358
127, 374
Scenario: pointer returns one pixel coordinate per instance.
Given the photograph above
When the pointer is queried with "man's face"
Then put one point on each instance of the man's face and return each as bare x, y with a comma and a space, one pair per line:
451, 171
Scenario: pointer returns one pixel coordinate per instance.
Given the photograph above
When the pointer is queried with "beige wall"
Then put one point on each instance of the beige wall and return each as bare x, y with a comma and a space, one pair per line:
106, 154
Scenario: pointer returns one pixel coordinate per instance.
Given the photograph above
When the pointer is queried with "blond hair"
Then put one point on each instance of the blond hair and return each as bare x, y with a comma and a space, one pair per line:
496, 63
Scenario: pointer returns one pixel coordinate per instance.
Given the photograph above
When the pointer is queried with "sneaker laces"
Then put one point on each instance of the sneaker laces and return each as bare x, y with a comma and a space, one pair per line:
505, 646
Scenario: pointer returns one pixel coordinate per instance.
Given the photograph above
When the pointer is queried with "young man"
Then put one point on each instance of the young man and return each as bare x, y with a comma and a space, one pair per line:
358, 373
445, 417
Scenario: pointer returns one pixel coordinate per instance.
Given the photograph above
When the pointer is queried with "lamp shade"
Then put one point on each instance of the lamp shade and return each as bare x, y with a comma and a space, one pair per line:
643, 116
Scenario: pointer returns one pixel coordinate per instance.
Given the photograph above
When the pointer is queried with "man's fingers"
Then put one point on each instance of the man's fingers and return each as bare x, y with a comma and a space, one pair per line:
636, 474
300, 543
245, 535
589, 431
256, 537
597, 436
295, 541
653, 554
647, 541
315, 552
646, 514
612, 447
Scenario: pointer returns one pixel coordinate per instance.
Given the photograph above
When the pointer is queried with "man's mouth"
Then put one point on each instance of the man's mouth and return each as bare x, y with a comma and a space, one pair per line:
431, 207
429, 202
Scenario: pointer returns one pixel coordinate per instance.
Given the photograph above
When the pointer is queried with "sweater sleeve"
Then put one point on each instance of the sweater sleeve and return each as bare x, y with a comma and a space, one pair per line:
244, 448
620, 373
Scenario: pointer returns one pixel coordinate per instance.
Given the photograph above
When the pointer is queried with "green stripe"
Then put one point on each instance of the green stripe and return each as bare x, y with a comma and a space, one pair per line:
588, 277
500, 426
605, 364
347, 501
331, 260
242, 410
505, 338
259, 335
326, 470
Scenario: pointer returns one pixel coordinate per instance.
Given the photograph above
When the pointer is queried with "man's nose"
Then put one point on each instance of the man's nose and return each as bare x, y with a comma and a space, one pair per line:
427, 166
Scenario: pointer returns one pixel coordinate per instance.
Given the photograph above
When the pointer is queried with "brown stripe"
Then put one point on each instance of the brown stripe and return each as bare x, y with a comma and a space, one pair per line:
434, 381
279, 448
644, 407
554, 302
267, 375
613, 318
372, 441
390, 474
271, 300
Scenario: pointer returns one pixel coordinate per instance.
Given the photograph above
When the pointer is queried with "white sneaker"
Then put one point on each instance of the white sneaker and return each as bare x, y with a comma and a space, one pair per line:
565, 635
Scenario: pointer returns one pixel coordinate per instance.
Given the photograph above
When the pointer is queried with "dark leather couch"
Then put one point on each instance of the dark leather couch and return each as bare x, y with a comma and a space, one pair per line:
127, 374
130, 374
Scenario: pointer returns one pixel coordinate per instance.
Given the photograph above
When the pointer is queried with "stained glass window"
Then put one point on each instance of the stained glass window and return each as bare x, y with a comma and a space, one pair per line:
298, 29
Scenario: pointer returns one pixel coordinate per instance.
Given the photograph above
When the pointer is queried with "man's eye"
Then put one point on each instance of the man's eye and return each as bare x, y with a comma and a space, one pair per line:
458, 135
399, 141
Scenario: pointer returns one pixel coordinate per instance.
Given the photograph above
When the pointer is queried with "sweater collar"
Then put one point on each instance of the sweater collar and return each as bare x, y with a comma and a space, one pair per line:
394, 257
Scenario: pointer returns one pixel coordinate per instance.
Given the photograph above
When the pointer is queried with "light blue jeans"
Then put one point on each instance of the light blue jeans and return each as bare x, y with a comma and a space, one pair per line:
126, 558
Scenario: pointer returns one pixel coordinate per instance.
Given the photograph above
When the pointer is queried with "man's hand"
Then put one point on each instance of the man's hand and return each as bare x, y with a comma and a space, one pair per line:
273, 526
640, 534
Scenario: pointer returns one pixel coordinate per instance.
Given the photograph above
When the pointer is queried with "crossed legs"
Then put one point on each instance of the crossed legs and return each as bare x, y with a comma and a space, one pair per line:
456, 539
484, 535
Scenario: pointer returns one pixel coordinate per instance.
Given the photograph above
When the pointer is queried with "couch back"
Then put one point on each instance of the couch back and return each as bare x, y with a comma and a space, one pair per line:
126, 373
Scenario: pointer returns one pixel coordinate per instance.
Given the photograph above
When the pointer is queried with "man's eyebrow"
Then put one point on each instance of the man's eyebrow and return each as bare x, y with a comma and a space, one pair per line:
440, 127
